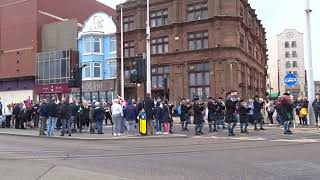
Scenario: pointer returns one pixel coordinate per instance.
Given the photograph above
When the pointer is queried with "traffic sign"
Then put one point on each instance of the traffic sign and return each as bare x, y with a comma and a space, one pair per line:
290, 79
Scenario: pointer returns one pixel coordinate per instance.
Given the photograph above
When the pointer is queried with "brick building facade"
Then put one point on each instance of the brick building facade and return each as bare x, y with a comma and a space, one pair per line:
21, 22
205, 47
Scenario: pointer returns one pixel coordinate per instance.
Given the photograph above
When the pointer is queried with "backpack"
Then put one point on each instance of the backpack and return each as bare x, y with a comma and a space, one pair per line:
179, 110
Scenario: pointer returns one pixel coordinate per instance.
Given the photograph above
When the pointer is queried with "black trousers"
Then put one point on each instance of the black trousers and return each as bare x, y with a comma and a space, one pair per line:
317, 115
270, 116
8, 119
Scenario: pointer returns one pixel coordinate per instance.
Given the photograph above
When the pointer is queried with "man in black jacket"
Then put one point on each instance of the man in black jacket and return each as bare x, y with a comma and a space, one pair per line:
231, 107
74, 115
44, 114
185, 114
211, 115
148, 105
53, 116
316, 108
258, 117
65, 113
198, 109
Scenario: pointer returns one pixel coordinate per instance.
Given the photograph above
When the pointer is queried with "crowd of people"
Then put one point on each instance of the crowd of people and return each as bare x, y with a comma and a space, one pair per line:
124, 116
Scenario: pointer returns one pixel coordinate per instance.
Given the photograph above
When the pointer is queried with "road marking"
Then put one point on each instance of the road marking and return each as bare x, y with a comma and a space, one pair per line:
295, 140
258, 139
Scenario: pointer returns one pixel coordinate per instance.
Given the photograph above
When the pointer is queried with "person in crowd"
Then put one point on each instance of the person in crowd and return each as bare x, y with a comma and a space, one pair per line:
99, 116
158, 113
257, 114
165, 115
16, 115
65, 112
250, 111
316, 108
287, 112
85, 116
198, 109
108, 113
243, 111
278, 110
74, 115
117, 115
304, 111
148, 106
130, 114
44, 114
231, 107
59, 123
35, 114
298, 107
53, 116
185, 114
92, 119
7, 113
211, 115
220, 113
270, 110
171, 106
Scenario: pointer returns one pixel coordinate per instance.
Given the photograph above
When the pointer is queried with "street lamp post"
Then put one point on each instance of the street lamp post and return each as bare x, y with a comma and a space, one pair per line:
311, 94
278, 77
148, 49
122, 65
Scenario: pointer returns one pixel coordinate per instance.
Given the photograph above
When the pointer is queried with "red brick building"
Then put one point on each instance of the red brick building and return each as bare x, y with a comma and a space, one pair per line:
20, 38
205, 47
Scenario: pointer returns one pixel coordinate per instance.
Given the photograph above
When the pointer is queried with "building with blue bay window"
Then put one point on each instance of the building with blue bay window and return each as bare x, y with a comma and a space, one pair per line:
98, 51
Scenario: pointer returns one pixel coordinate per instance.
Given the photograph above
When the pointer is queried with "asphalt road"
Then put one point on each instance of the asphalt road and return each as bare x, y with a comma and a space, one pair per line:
263, 155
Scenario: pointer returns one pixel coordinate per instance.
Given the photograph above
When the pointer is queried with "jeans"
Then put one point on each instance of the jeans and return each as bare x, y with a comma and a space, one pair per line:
317, 116
52, 123
117, 120
279, 119
304, 121
158, 125
245, 127
130, 127
287, 125
150, 126
220, 121
43, 120
198, 128
36, 120
99, 126
66, 122
231, 127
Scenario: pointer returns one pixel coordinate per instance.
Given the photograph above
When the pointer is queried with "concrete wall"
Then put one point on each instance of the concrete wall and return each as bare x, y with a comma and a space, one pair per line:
60, 35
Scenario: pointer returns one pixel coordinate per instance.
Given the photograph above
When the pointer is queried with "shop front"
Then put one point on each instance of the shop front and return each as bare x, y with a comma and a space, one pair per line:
94, 91
53, 90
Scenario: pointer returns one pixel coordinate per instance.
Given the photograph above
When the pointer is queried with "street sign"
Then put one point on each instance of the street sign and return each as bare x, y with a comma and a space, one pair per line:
290, 80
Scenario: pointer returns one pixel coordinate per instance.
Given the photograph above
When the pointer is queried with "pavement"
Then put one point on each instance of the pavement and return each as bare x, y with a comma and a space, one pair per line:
259, 155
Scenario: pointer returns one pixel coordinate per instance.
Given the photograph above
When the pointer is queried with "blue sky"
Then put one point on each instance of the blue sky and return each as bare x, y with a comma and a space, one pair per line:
277, 15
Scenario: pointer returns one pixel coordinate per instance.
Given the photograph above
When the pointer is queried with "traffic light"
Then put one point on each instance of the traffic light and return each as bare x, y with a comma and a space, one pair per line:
75, 77
165, 83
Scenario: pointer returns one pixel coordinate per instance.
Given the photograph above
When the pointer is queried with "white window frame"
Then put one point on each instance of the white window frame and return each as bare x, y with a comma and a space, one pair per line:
93, 67
100, 44
88, 67
87, 40
113, 40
